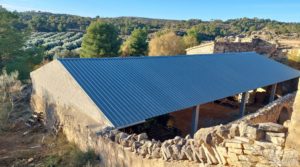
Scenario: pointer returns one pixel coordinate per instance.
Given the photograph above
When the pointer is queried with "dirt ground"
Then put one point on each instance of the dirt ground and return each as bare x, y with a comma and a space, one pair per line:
24, 141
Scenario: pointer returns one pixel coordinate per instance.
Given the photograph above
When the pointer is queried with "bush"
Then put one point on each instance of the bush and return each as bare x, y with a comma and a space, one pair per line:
74, 156
166, 45
10, 86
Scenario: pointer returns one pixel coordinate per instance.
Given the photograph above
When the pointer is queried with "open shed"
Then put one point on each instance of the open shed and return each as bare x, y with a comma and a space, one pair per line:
122, 92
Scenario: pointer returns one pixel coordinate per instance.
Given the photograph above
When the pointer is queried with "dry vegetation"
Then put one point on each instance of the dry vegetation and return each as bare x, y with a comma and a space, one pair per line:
24, 140
166, 44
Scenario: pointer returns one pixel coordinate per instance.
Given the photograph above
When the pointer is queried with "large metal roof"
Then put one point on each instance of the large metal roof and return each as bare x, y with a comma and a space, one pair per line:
130, 90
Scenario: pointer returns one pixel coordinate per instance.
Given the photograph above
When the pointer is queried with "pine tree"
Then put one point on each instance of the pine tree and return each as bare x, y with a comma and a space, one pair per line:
136, 44
101, 40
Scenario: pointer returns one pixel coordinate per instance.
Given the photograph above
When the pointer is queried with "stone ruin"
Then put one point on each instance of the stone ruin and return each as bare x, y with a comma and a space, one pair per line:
241, 143
254, 140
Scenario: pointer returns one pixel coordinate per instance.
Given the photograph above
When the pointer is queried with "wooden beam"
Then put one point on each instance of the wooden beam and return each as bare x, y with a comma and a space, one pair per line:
195, 119
243, 104
273, 92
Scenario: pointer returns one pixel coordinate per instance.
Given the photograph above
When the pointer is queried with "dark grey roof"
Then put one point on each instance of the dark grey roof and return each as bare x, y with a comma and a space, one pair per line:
130, 90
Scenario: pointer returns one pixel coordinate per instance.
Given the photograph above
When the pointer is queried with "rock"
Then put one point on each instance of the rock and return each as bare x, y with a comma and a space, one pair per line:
176, 139
275, 140
242, 127
222, 151
252, 149
232, 156
265, 145
142, 136
166, 151
135, 146
234, 130
275, 134
238, 151
233, 144
205, 134
249, 158
254, 133
201, 154
111, 134
175, 151
143, 150
272, 127
222, 131
120, 136
211, 159
196, 155
182, 155
156, 153
188, 137
188, 152
30, 160
219, 157
243, 139
181, 142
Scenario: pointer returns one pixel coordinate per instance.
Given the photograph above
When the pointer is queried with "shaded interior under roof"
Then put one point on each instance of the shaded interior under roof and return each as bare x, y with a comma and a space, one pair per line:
130, 90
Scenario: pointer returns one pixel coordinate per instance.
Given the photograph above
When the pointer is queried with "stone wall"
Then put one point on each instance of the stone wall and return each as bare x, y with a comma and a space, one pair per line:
255, 140
250, 141
207, 48
257, 45
294, 130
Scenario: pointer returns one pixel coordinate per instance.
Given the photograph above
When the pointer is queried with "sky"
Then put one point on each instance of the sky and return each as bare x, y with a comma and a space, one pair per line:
281, 10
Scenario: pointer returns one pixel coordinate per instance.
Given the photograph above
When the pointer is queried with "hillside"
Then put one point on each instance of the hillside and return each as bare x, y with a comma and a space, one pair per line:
49, 22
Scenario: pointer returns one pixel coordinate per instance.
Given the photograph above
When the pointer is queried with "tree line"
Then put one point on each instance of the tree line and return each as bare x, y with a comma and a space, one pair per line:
104, 37
49, 22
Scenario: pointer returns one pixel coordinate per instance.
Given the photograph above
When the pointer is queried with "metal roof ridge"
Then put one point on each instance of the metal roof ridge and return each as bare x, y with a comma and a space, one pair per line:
155, 57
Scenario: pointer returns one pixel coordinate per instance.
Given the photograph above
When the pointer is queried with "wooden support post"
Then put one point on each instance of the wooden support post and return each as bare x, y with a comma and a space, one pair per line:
195, 119
243, 104
273, 92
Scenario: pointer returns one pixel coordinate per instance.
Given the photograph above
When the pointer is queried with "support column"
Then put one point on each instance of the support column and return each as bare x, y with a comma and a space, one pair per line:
195, 119
273, 92
243, 104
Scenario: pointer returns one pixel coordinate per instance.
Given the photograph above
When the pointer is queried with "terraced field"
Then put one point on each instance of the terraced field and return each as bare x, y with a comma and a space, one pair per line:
57, 44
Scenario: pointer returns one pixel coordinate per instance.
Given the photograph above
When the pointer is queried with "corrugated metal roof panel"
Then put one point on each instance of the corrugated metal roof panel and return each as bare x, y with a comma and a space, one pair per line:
129, 90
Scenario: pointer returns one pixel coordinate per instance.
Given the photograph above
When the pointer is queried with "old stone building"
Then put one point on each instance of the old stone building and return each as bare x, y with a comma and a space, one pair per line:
254, 45
93, 100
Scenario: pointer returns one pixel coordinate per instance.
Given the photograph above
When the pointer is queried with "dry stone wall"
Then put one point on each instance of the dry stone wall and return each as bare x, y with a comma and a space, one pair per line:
255, 140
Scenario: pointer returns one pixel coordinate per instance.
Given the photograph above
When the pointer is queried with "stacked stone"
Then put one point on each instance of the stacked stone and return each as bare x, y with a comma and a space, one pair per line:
256, 145
177, 148
241, 143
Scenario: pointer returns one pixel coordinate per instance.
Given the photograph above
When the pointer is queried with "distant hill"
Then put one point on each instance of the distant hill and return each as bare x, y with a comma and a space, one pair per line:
49, 22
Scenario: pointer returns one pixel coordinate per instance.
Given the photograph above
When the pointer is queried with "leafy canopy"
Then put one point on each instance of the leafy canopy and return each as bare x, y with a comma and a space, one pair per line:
136, 44
101, 40
13, 54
